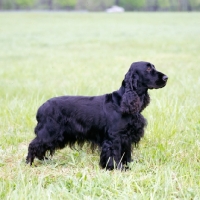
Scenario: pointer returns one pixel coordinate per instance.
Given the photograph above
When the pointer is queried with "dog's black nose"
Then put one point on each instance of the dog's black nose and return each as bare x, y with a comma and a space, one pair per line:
165, 78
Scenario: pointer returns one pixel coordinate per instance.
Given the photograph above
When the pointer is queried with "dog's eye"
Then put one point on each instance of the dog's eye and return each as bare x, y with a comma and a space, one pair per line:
149, 69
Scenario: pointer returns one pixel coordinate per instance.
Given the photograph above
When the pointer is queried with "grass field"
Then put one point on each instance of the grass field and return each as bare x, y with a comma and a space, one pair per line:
49, 54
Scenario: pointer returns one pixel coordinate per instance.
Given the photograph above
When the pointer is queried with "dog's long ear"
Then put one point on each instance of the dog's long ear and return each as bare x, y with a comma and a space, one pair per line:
130, 103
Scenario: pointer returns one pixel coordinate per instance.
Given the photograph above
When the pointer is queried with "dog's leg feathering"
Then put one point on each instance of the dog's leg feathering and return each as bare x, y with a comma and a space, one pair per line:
35, 149
110, 157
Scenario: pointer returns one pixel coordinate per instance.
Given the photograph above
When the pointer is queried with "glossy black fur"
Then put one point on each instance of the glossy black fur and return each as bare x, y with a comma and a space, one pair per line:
112, 121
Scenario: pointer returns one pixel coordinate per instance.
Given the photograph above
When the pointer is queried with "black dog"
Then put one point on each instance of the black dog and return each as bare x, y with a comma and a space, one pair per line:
111, 121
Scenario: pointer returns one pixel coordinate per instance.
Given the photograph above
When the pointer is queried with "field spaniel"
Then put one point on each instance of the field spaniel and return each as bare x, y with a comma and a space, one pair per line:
113, 121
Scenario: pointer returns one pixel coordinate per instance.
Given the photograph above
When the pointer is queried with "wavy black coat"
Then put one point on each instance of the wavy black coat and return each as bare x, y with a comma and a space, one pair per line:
112, 121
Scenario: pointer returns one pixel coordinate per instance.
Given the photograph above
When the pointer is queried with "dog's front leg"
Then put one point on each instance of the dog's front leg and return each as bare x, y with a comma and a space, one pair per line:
126, 148
110, 157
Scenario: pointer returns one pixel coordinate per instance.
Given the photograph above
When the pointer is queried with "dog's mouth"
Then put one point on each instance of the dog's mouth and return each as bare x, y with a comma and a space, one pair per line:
161, 84
157, 86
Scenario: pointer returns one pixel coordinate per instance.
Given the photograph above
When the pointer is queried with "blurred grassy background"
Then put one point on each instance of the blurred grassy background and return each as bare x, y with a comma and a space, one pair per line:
45, 54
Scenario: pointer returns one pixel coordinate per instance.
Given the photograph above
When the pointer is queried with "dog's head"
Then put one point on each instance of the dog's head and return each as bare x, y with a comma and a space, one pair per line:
140, 77
143, 74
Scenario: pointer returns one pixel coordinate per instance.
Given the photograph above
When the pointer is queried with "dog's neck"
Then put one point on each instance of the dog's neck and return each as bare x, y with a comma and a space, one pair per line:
141, 91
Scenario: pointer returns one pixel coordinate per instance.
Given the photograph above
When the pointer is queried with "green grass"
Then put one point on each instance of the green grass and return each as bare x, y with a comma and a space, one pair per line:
49, 54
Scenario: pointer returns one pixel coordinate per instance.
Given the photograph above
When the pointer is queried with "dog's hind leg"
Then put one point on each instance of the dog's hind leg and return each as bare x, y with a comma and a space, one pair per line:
49, 137
44, 142
36, 149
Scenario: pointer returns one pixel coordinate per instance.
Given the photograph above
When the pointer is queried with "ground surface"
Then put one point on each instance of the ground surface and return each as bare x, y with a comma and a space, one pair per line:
49, 54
